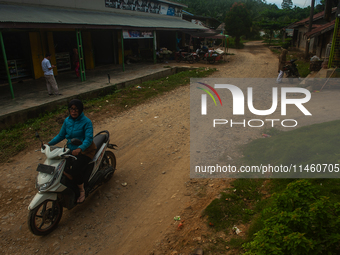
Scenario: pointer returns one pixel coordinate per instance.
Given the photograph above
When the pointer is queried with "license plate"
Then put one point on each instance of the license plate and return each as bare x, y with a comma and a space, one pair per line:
45, 169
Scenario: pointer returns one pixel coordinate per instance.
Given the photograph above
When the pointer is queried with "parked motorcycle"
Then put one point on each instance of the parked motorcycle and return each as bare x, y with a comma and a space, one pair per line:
211, 57
201, 53
56, 191
196, 57
184, 56
291, 71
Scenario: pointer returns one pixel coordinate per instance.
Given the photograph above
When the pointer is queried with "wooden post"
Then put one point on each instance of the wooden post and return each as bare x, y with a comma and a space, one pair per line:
6, 64
154, 47
309, 28
122, 40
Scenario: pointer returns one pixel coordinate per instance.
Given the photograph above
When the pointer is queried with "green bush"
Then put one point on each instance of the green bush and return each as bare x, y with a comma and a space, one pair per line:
298, 223
303, 67
286, 44
232, 43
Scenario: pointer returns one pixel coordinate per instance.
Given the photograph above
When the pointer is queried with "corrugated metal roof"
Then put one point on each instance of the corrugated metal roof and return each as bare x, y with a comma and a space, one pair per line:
22, 15
210, 33
173, 3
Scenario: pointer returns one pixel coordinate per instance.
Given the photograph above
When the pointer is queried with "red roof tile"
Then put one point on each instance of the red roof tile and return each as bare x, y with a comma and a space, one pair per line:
315, 17
321, 29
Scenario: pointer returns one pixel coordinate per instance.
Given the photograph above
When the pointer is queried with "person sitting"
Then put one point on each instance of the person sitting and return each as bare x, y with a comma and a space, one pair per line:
77, 125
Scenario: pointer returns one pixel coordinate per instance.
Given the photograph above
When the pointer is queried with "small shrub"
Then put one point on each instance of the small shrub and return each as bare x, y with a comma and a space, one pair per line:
298, 223
232, 43
286, 44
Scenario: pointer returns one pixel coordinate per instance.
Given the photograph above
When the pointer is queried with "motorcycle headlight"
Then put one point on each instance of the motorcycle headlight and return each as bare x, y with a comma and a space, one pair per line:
45, 186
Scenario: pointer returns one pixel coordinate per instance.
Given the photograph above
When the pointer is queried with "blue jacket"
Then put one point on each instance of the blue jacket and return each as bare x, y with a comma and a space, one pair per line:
80, 128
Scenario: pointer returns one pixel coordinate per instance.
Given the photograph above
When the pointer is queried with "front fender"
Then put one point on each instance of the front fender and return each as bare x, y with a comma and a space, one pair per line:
41, 197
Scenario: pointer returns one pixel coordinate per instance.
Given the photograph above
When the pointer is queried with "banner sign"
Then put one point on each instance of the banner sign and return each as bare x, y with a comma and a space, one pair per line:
150, 6
136, 34
289, 31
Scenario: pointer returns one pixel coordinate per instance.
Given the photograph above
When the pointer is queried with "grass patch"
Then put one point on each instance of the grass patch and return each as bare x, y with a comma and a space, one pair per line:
315, 144
19, 137
275, 51
303, 67
235, 205
273, 42
268, 200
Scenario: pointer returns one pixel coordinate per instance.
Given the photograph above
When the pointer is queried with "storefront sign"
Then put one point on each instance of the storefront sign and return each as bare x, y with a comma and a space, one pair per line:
170, 10
134, 5
289, 31
137, 34
145, 6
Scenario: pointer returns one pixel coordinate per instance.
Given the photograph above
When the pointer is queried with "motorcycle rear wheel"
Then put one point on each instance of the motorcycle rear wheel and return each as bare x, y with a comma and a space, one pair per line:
45, 218
109, 160
191, 59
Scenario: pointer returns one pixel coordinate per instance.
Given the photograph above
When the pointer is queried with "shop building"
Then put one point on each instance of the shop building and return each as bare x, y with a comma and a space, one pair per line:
103, 31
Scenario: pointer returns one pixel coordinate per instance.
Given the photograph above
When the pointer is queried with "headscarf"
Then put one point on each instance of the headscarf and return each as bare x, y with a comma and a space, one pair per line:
77, 103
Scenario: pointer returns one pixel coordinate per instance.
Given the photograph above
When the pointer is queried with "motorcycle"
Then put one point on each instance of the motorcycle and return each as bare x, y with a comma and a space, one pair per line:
184, 56
291, 70
196, 57
201, 53
211, 57
56, 191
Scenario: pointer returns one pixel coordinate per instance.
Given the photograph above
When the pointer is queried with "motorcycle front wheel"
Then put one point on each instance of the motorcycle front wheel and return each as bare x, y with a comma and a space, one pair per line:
211, 60
45, 218
191, 59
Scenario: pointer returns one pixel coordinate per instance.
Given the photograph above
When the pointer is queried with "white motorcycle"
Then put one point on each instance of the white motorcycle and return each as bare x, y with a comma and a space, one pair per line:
56, 191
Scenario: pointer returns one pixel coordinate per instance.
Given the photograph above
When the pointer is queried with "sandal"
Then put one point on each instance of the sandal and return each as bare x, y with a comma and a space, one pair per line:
81, 198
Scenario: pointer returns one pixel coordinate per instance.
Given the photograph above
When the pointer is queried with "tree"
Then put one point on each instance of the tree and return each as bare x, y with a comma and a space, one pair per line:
238, 21
287, 4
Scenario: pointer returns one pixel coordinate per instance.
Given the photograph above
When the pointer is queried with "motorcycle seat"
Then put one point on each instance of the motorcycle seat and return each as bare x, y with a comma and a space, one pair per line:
99, 140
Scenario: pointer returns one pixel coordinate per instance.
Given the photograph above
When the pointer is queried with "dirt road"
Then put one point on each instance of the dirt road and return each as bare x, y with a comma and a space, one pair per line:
153, 159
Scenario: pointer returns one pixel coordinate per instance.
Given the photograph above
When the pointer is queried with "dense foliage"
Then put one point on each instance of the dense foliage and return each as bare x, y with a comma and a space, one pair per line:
299, 222
263, 16
240, 16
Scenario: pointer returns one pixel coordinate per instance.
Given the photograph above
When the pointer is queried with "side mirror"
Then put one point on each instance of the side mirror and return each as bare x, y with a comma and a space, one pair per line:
42, 143
76, 141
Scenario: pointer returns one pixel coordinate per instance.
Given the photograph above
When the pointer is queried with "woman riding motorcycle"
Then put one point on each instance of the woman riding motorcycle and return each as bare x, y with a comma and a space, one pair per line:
77, 125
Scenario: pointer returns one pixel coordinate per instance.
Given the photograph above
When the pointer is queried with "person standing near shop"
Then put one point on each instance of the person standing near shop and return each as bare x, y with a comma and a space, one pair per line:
52, 86
282, 63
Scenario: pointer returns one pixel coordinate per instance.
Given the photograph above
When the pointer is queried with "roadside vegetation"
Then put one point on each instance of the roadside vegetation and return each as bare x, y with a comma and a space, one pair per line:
284, 216
21, 136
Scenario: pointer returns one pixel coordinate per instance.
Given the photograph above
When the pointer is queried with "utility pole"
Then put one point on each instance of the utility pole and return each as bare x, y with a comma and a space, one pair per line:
328, 11
309, 28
